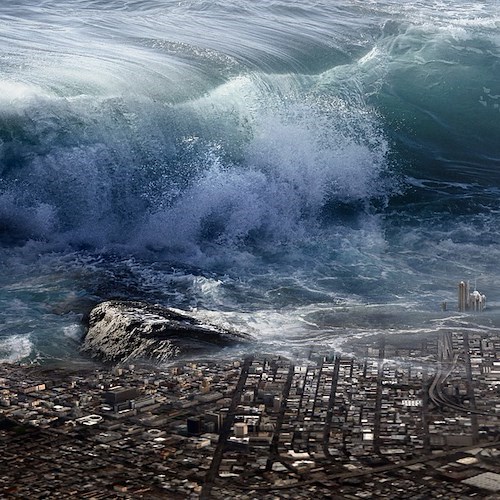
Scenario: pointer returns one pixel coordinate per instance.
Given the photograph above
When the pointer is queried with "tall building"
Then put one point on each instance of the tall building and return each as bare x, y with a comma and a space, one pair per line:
195, 425
467, 301
463, 296
215, 419
477, 301
240, 429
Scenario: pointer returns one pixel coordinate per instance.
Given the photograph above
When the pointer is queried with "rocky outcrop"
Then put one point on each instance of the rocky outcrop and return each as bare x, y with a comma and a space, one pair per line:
122, 330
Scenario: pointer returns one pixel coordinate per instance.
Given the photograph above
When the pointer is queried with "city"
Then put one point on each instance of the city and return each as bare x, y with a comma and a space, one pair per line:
388, 421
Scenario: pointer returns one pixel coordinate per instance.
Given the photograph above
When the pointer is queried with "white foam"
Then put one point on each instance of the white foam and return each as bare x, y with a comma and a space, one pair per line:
15, 92
73, 332
15, 348
297, 157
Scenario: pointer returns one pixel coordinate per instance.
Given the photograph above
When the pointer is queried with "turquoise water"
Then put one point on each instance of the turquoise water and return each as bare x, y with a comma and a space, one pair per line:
306, 171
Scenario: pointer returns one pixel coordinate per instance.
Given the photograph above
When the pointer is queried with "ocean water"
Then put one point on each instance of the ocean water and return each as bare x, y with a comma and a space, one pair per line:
310, 172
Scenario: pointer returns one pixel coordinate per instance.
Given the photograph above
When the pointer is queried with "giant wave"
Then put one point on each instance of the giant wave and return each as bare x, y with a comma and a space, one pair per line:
267, 162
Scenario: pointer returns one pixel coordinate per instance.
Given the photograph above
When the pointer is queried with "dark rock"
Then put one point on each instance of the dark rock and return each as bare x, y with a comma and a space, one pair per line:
124, 330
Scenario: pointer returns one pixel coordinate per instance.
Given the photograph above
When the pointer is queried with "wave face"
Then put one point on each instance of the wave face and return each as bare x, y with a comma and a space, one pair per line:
306, 171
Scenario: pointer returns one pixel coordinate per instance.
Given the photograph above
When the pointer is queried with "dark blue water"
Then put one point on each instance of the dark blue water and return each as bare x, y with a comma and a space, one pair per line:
310, 172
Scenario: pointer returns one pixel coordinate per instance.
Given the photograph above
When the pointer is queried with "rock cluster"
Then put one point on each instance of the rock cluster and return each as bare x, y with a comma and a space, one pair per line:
119, 331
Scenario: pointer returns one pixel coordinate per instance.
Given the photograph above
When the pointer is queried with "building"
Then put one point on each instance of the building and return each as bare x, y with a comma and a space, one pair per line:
467, 301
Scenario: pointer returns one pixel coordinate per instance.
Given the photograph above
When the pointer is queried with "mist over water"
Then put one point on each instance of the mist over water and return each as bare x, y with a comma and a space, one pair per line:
309, 173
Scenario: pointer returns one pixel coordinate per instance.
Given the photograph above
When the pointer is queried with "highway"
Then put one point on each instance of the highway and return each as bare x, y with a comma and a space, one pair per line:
447, 362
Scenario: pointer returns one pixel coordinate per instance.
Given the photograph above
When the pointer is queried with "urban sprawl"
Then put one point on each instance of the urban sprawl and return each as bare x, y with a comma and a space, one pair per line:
387, 421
